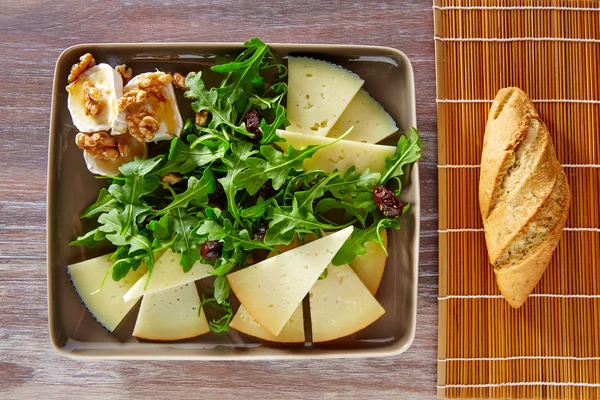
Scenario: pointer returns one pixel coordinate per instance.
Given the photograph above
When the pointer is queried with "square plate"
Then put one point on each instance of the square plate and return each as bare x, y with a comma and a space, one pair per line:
388, 78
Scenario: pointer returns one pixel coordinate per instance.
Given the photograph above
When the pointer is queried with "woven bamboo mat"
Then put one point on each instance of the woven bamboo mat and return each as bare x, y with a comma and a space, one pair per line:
549, 348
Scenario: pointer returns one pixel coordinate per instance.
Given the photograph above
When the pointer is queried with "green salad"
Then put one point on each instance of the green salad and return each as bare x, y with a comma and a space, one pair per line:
225, 189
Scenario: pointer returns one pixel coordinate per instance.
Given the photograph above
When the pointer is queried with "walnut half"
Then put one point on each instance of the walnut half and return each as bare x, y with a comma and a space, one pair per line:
135, 96
85, 61
171, 178
93, 99
125, 72
179, 81
102, 145
201, 118
142, 125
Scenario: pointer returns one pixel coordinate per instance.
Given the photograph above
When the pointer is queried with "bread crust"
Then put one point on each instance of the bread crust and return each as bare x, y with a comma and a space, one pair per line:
523, 194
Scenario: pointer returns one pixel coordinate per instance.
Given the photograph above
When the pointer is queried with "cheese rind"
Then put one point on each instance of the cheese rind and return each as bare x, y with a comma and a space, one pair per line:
341, 305
160, 103
371, 122
318, 93
341, 155
370, 266
272, 289
292, 332
109, 85
166, 274
171, 315
106, 305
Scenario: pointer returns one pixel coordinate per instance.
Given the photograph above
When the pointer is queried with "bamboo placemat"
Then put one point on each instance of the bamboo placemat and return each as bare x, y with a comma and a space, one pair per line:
550, 347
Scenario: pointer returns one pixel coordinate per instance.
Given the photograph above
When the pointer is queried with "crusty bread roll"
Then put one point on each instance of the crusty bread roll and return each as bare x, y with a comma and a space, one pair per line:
524, 196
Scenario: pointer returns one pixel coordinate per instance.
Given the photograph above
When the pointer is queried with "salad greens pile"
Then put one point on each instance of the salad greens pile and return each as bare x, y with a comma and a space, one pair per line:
236, 187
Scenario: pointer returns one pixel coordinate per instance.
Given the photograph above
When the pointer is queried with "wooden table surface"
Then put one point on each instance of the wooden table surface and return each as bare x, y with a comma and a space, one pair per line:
32, 35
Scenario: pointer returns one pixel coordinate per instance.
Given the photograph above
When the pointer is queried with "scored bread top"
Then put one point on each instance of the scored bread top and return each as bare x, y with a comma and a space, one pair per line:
523, 193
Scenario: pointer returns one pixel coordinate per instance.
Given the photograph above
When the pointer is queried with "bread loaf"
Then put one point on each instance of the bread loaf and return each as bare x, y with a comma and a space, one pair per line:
524, 196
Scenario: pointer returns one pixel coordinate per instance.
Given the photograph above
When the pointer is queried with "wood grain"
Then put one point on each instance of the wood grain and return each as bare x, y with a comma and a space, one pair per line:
32, 35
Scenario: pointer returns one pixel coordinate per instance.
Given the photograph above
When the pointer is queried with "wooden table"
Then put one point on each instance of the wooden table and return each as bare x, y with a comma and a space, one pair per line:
32, 35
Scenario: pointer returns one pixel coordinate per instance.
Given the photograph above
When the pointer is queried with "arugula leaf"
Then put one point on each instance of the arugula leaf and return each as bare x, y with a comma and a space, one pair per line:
351, 184
130, 194
243, 74
121, 267
221, 324
196, 193
183, 158
104, 203
222, 114
286, 221
256, 211
162, 229
235, 164
408, 151
355, 245
231, 237
350, 211
112, 225
276, 167
265, 103
269, 131
90, 239
184, 242
307, 197
229, 260
140, 166
221, 289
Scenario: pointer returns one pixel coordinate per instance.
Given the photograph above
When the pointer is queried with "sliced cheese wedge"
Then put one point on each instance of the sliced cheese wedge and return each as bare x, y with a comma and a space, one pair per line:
272, 289
318, 93
341, 155
167, 273
292, 332
370, 266
106, 305
171, 315
341, 305
371, 122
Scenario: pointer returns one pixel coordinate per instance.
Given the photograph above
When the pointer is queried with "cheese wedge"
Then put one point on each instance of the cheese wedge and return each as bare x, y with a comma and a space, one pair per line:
370, 266
341, 305
167, 273
341, 155
371, 122
272, 289
292, 332
106, 305
171, 315
318, 93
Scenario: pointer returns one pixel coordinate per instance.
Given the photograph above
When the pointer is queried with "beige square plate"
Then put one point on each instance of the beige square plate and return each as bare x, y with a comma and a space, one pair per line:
71, 188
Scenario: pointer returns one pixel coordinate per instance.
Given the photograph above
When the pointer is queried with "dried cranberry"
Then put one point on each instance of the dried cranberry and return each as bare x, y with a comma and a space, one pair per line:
259, 232
387, 202
265, 191
211, 250
218, 196
252, 120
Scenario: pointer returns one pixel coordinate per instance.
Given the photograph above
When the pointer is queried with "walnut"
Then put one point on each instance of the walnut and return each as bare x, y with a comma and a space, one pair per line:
179, 81
154, 83
135, 96
102, 145
142, 125
202, 117
171, 178
125, 72
93, 99
85, 61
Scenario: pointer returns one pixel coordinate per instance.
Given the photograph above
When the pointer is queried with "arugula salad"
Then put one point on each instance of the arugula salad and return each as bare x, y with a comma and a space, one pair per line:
232, 187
